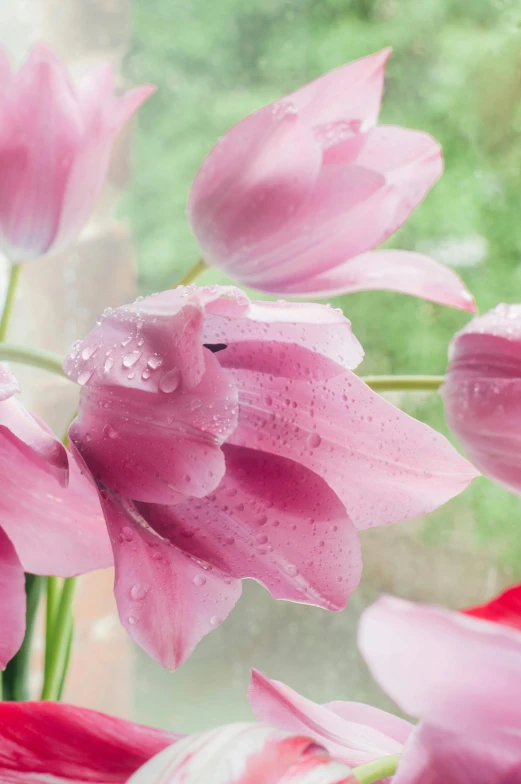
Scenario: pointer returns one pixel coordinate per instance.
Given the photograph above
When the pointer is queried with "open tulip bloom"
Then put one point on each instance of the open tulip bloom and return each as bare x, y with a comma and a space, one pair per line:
231, 439
295, 197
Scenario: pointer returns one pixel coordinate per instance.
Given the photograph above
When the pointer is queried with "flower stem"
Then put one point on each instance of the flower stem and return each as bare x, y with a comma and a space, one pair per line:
59, 614
47, 360
377, 769
404, 383
9, 300
192, 274
16, 675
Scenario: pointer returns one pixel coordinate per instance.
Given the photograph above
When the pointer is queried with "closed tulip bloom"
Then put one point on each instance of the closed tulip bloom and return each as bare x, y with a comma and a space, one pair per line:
50, 517
56, 142
461, 677
244, 754
295, 197
231, 439
482, 393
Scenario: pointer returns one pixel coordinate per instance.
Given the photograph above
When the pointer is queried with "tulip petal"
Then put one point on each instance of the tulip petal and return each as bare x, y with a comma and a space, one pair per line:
55, 530
354, 740
448, 669
387, 723
274, 521
8, 383
392, 270
50, 742
33, 440
351, 92
384, 465
437, 756
167, 600
12, 601
243, 754
504, 609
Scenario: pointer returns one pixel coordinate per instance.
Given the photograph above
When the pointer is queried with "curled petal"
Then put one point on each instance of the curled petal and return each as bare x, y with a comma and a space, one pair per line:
451, 670
51, 742
390, 270
354, 733
8, 384
274, 521
243, 754
12, 601
167, 599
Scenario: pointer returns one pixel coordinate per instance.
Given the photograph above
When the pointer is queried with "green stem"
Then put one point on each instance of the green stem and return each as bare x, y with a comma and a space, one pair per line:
377, 769
9, 300
53, 598
192, 274
46, 360
68, 652
16, 676
404, 383
57, 645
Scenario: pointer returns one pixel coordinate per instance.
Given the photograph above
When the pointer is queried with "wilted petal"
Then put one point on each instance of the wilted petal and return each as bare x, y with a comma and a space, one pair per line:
274, 521
45, 742
167, 599
355, 737
451, 670
12, 601
384, 465
390, 270
504, 609
8, 383
243, 754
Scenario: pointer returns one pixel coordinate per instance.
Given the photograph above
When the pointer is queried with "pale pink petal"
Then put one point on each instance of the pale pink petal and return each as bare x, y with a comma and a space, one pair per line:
8, 383
39, 140
391, 270
387, 723
445, 667
271, 520
156, 405
232, 208
351, 92
167, 599
353, 741
384, 465
126, 105
55, 530
243, 754
32, 440
12, 601
44, 742
437, 756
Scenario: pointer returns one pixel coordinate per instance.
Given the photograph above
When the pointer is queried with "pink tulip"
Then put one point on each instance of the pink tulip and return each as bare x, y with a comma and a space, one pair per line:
482, 393
55, 147
351, 732
461, 676
243, 754
51, 743
295, 197
230, 440
50, 519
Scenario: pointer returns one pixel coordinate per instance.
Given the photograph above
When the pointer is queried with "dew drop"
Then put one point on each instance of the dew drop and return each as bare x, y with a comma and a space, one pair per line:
139, 591
215, 620
170, 381
84, 377
199, 579
88, 352
155, 362
127, 534
132, 621
314, 440
291, 569
129, 360
110, 432
145, 375
109, 364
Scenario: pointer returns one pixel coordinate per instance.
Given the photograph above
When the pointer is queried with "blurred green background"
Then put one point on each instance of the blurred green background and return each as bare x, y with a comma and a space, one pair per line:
455, 72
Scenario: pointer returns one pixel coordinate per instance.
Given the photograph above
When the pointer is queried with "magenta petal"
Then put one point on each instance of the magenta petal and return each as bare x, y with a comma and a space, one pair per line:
12, 601
55, 530
167, 600
354, 740
274, 521
391, 270
384, 465
8, 384
33, 440
44, 742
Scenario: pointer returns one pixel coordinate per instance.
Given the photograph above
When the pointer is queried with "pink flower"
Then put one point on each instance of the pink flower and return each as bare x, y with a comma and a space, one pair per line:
461, 676
504, 609
44, 742
231, 439
352, 732
50, 519
243, 754
55, 148
295, 197
482, 393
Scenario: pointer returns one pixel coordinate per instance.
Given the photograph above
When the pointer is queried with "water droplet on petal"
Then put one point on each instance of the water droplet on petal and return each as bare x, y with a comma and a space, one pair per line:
314, 440
132, 621
139, 591
291, 569
85, 377
109, 364
199, 579
170, 381
215, 620
127, 534
88, 352
110, 432
129, 360
155, 362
